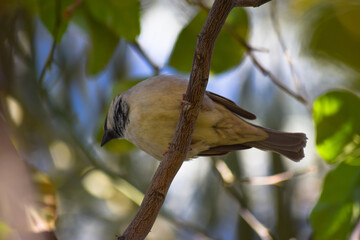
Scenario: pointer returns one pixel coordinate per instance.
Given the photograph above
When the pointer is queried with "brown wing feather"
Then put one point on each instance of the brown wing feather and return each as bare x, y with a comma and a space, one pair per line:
222, 150
231, 106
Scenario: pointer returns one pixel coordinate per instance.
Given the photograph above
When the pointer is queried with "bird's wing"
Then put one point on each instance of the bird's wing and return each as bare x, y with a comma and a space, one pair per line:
231, 105
222, 150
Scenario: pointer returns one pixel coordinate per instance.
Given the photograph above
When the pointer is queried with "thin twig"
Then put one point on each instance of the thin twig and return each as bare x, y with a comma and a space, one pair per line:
50, 57
276, 81
275, 22
263, 232
266, 72
138, 48
277, 178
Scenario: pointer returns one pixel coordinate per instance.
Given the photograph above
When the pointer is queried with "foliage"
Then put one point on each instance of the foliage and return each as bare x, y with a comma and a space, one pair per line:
337, 126
337, 211
334, 38
107, 22
338, 141
335, 27
227, 52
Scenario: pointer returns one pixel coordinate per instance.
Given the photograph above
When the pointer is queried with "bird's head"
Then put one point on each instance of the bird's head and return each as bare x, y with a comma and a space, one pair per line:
116, 120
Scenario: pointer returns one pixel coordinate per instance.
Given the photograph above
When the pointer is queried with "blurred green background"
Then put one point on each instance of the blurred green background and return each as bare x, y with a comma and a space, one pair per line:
62, 61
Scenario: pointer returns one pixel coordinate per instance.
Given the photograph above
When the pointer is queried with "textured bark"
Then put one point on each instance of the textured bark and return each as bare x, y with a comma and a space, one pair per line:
169, 166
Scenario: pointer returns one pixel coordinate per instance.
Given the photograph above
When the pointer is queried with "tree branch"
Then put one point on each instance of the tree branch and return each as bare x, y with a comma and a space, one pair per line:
250, 3
275, 22
155, 195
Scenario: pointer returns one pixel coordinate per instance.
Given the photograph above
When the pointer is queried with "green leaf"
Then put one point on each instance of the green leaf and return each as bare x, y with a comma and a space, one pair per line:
337, 125
337, 211
51, 14
122, 17
103, 41
228, 52
333, 32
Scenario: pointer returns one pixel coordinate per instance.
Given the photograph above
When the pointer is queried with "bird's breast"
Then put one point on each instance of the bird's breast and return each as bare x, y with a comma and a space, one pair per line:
151, 127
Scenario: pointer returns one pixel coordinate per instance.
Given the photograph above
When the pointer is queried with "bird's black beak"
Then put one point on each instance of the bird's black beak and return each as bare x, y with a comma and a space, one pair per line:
108, 135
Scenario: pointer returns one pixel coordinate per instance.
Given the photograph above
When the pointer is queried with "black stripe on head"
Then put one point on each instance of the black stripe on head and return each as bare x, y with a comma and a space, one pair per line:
121, 117
105, 124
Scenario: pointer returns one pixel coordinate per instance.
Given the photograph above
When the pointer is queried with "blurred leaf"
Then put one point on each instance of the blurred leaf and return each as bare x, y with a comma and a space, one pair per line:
123, 84
51, 14
334, 32
338, 139
337, 211
304, 5
5, 230
122, 17
30, 5
337, 125
227, 52
7, 6
103, 41
353, 157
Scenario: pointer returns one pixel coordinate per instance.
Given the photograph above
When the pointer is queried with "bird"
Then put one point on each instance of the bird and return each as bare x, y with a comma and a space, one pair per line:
147, 114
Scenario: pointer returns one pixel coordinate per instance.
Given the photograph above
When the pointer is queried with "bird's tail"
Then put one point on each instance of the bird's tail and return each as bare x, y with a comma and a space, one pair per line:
291, 145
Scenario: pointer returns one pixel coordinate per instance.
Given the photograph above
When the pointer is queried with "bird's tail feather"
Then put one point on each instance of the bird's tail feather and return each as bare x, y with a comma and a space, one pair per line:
291, 145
